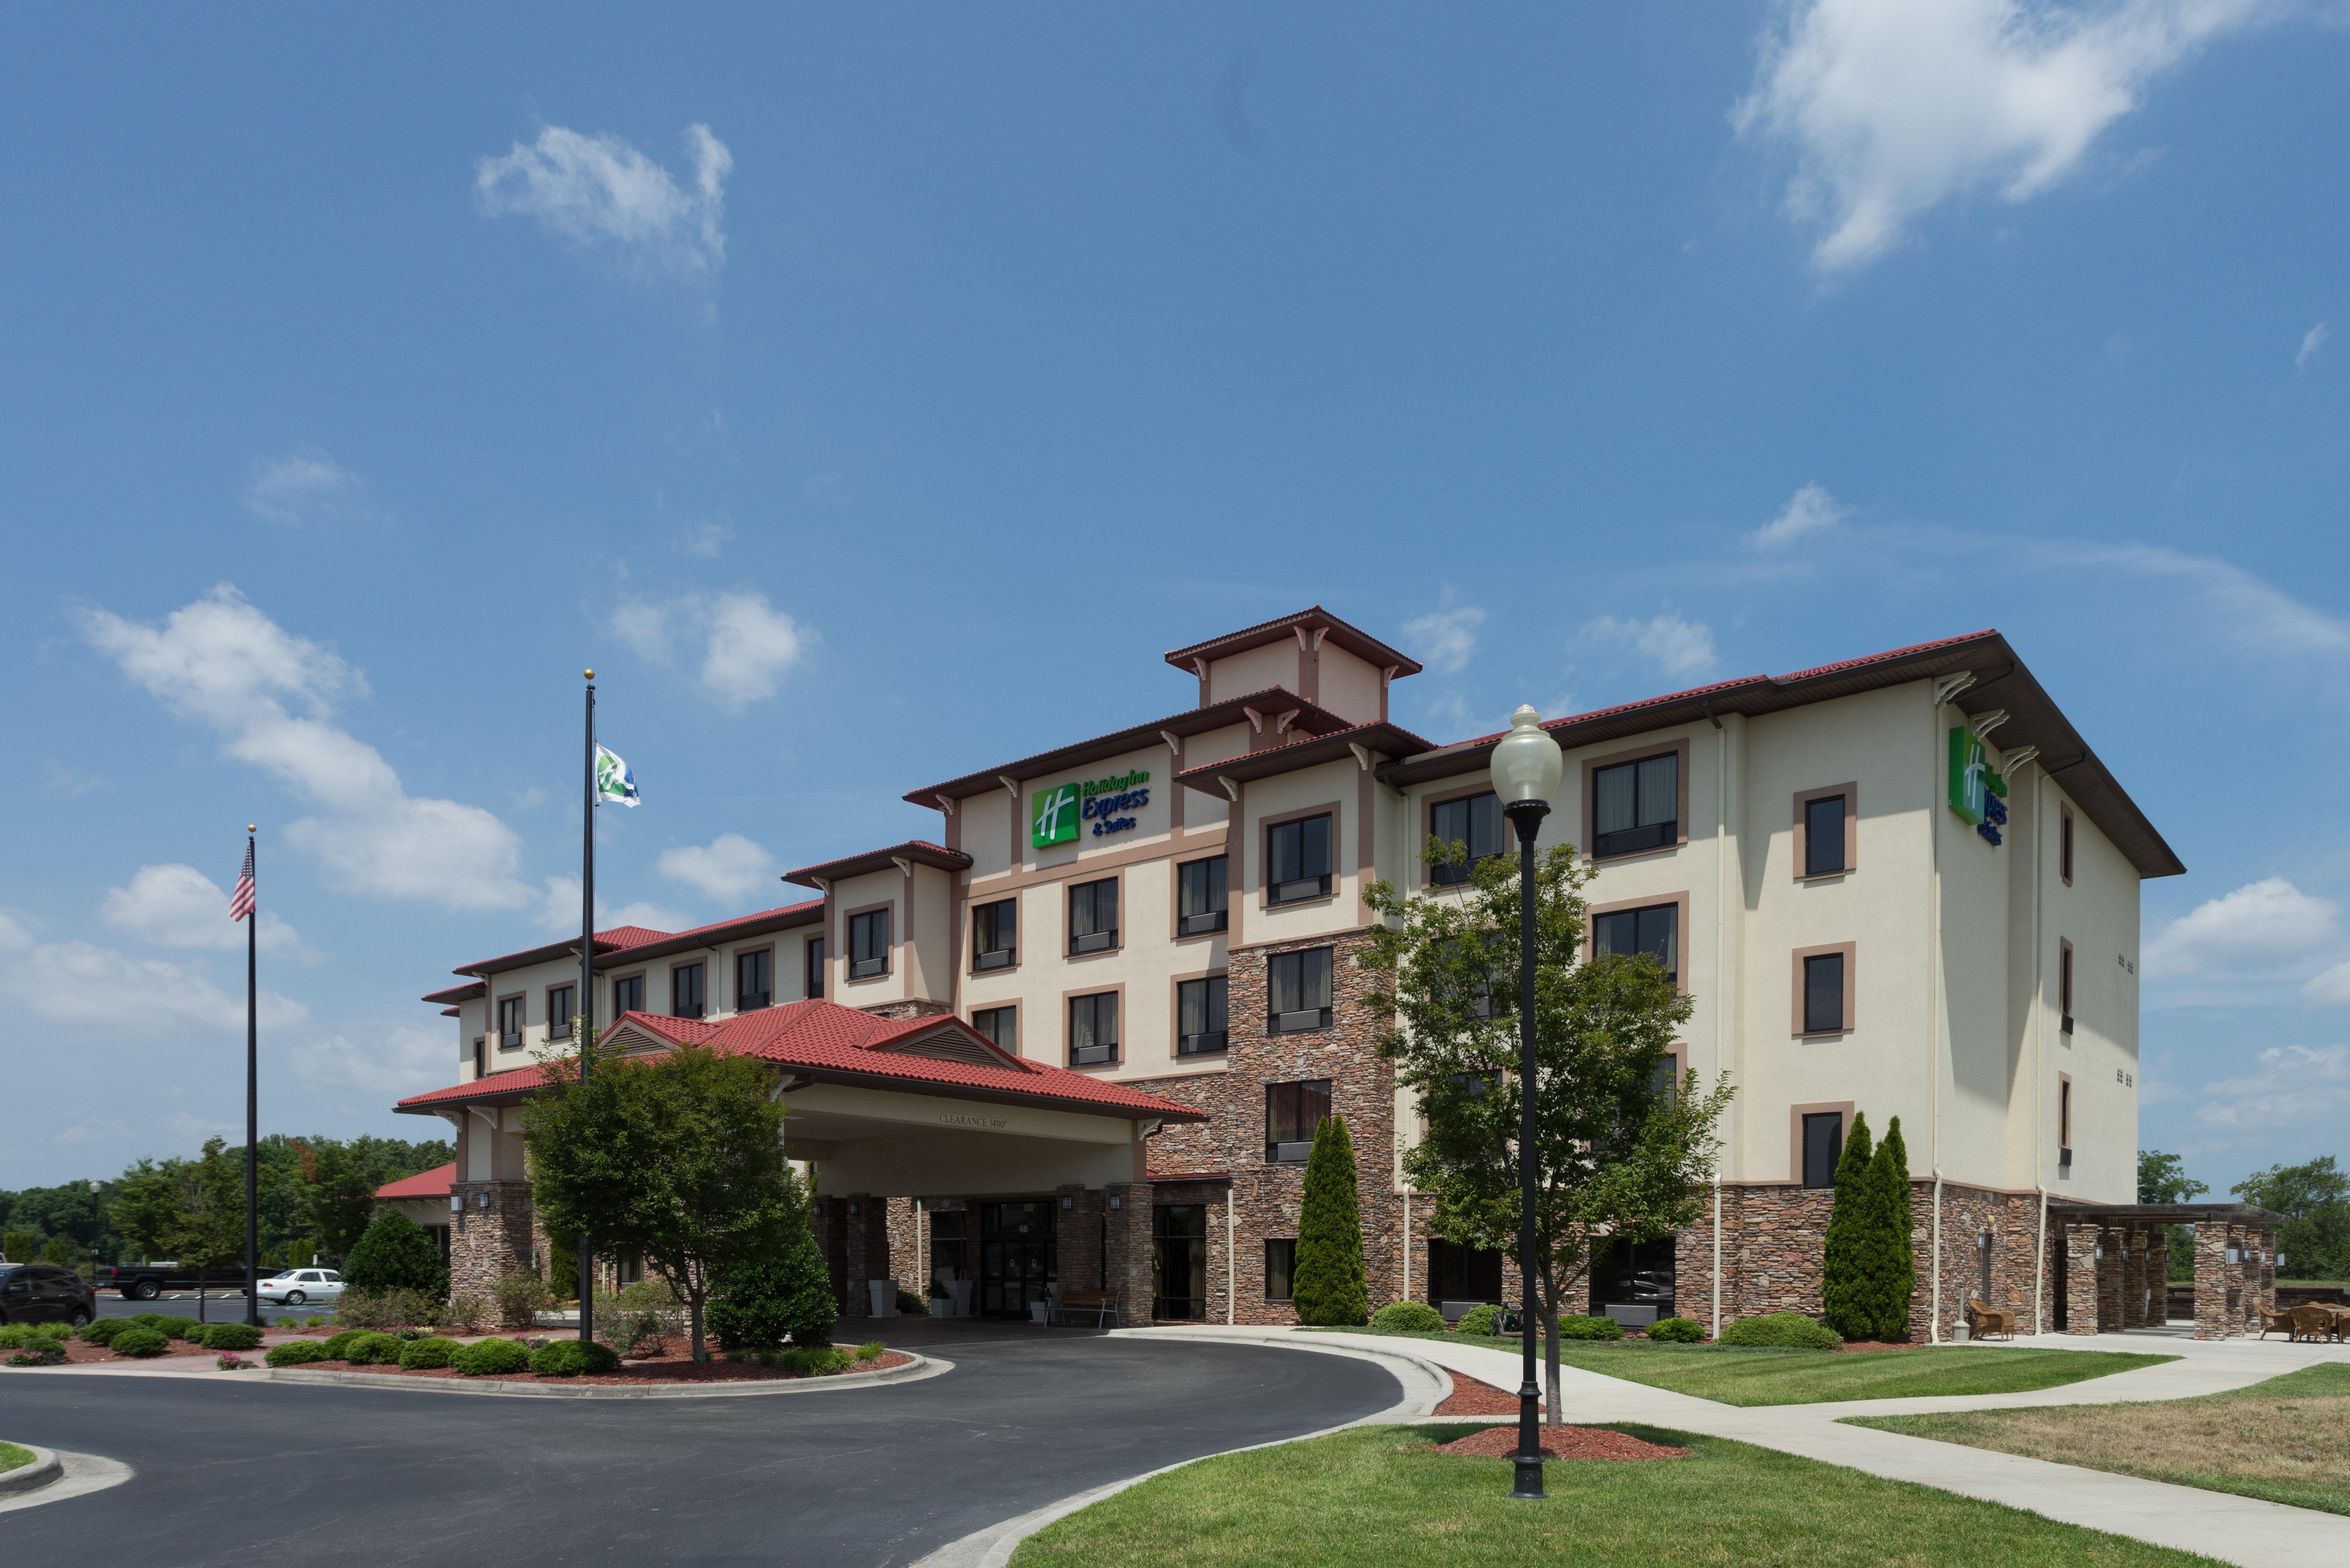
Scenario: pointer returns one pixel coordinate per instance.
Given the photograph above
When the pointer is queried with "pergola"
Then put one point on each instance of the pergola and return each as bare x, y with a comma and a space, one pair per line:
2112, 1265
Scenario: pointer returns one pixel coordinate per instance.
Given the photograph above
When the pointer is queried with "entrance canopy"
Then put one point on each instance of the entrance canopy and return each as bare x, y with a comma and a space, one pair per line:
2249, 1215
896, 1108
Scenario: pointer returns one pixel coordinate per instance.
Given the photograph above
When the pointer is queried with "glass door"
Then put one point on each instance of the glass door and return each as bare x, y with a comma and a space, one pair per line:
1179, 1260
1016, 1257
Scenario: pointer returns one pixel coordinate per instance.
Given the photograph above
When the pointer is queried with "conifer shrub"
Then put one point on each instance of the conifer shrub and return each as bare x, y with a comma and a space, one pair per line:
142, 1342
1407, 1317
574, 1357
295, 1352
1589, 1328
396, 1254
1894, 1267
1845, 1260
421, 1355
1676, 1331
1782, 1331
103, 1330
1328, 1289
491, 1358
760, 1305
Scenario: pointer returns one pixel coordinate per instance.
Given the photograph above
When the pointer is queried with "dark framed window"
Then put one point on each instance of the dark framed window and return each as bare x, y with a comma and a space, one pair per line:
1824, 994
686, 998
1292, 1112
1654, 930
1093, 916
1636, 805
1824, 837
868, 944
481, 1055
628, 994
1473, 826
1179, 1260
1093, 1029
2064, 847
2064, 986
510, 1022
1823, 1147
996, 934
754, 979
1001, 1024
2064, 1119
816, 966
1202, 1023
1297, 859
560, 1005
1280, 1267
1297, 990
1203, 895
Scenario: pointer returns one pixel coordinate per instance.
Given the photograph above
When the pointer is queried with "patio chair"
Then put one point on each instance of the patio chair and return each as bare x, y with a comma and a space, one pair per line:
2278, 1321
1985, 1321
2314, 1322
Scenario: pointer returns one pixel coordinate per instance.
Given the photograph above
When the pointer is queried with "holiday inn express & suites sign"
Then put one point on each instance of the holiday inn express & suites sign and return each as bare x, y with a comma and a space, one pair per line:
1977, 794
1059, 812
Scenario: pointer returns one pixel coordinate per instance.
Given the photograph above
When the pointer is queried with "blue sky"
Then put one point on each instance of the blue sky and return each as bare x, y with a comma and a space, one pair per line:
872, 397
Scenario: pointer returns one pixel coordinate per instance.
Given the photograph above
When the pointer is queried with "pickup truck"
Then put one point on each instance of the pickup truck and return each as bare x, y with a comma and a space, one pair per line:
145, 1282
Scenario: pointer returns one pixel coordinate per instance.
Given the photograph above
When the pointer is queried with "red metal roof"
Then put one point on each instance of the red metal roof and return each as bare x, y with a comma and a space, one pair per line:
432, 1183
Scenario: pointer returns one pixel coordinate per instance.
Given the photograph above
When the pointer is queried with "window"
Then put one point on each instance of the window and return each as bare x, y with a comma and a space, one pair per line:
481, 1055
1297, 859
1824, 994
1470, 826
1824, 837
628, 994
2064, 845
2065, 985
1093, 916
1823, 1147
1636, 805
510, 1020
1201, 1024
754, 979
1001, 1024
1093, 1029
868, 944
1654, 930
1179, 1260
685, 991
1280, 1268
816, 966
994, 934
2063, 1119
1297, 989
1204, 897
560, 1007
1292, 1112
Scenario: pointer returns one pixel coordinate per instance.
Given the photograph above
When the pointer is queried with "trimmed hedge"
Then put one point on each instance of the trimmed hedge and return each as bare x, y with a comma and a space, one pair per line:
232, 1336
1407, 1317
491, 1358
295, 1352
103, 1330
1589, 1328
572, 1357
1783, 1330
334, 1345
1676, 1331
421, 1355
164, 1324
370, 1349
141, 1342
1481, 1320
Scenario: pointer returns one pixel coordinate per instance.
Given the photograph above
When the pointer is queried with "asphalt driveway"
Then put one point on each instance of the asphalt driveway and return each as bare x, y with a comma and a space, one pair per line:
246, 1473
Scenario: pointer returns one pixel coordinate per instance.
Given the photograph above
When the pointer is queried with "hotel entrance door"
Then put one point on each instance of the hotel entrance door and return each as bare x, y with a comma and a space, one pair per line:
1016, 1258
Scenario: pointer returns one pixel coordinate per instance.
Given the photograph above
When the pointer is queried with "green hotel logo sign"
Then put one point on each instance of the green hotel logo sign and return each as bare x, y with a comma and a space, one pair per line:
1056, 817
1977, 794
1057, 812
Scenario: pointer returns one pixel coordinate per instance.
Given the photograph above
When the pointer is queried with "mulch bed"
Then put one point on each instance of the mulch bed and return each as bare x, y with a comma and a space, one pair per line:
1471, 1398
1559, 1443
669, 1369
78, 1354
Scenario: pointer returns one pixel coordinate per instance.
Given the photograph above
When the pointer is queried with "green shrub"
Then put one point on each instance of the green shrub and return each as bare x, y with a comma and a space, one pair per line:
38, 1353
294, 1352
573, 1357
1782, 1330
910, 1304
1676, 1331
103, 1330
369, 1349
808, 1361
396, 1254
232, 1337
1407, 1317
1329, 1287
870, 1350
521, 1297
1483, 1319
155, 1320
640, 1319
491, 1358
1589, 1328
314, 1321
332, 1347
289, 1321
142, 1342
419, 1355
760, 1305
16, 1335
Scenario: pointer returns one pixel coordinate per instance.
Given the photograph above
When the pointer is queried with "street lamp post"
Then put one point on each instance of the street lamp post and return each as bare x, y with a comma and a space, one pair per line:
1526, 767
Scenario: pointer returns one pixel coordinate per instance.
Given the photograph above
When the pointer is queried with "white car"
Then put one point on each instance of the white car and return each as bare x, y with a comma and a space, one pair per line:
296, 1286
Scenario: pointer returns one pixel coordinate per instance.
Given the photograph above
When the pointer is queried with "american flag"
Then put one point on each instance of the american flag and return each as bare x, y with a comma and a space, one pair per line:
240, 903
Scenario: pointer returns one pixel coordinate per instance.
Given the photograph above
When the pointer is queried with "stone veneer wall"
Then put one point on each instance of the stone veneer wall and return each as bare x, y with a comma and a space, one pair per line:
485, 1243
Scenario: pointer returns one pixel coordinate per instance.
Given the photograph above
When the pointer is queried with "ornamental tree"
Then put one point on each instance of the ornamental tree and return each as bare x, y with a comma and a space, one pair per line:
1623, 1151
678, 1158
1328, 1289
1891, 1258
395, 1255
1852, 1222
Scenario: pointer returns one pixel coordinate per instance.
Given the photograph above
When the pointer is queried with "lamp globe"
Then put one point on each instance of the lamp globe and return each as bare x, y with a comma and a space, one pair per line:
1528, 764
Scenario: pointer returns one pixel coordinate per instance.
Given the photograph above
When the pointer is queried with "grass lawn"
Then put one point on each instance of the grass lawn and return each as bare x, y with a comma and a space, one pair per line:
11, 1456
1728, 1375
1361, 1497
2287, 1439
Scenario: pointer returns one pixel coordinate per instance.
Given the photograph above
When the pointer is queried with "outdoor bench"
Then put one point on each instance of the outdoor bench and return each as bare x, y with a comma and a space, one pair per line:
1102, 1304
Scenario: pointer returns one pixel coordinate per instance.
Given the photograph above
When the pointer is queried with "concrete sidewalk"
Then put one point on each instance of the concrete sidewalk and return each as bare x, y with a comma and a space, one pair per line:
2218, 1525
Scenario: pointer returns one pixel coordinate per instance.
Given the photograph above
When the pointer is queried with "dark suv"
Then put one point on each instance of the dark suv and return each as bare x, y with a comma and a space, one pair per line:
40, 1293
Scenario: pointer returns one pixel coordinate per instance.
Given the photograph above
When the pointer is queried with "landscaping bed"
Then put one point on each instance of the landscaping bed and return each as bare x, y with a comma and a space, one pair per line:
674, 1368
1560, 1443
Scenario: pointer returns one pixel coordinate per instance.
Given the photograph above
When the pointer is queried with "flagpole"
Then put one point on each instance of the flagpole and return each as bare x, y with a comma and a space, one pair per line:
251, 1105
586, 1026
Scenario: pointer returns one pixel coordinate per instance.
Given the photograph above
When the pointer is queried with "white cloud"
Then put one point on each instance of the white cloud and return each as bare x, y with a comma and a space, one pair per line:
747, 645
1808, 511
2311, 342
406, 1061
1892, 107
2329, 988
224, 662
94, 1129
728, 869
68, 781
1445, 639
2295, 1085
1680, 648
180, 906
705, 538
601, 193
116, 1000
2246, 608
559, 912
304, 487
2260, 928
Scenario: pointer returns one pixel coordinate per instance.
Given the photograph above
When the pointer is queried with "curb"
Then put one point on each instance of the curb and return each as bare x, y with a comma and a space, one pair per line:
44, 1470
920, 1368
